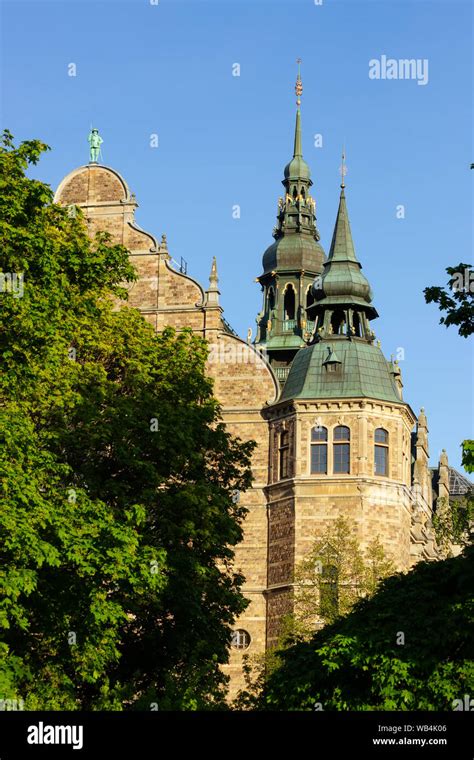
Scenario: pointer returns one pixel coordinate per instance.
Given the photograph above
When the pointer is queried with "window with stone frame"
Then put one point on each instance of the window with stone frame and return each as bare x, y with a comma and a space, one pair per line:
319, 450
381, 451
341, 450
284, 455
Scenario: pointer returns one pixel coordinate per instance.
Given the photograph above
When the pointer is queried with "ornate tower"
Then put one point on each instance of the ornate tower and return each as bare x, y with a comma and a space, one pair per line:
343, 297
340, 433
290, 264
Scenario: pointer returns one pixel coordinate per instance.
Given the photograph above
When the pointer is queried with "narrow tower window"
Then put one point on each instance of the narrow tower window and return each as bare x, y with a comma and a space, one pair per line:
284, 454
381, 452
356, 324
341, 449
319, 450
309, 297
289, 302
271, 299
338, 322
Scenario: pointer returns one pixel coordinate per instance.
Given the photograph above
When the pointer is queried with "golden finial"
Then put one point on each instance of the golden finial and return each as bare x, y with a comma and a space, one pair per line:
299, 84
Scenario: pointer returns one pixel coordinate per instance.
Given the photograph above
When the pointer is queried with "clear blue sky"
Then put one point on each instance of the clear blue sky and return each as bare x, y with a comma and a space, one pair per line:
224, 140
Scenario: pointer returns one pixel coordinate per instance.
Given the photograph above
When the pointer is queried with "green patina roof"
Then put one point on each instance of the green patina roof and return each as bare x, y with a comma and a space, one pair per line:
284, 341
342, 245
342, 280
294, 252
297, 168
364, 373
296, 245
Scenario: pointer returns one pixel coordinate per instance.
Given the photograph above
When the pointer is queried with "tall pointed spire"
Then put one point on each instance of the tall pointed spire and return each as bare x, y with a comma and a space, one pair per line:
298, 150
298, 169
342, 245
291, 263
343, 293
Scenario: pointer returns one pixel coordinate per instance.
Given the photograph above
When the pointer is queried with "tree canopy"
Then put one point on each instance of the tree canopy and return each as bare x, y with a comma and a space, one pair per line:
117, 522
456, 300
409, 647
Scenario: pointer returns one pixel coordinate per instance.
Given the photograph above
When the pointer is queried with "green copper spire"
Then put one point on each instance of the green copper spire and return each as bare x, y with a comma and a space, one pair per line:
342, 360
298, 151
298, 169
342, 245
293, 260
342, 281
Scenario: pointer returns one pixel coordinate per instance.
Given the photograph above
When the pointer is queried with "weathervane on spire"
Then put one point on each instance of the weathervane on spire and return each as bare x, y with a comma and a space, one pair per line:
343, 167
299, 84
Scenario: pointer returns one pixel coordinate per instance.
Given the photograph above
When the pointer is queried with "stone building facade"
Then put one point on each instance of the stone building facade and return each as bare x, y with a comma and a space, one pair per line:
334, 434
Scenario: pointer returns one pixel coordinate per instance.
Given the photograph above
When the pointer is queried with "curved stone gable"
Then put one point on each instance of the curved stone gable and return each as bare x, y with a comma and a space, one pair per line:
242, 377
92, 184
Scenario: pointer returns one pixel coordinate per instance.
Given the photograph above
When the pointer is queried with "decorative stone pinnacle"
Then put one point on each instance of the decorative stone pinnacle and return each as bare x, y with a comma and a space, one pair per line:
212, 293
422, 422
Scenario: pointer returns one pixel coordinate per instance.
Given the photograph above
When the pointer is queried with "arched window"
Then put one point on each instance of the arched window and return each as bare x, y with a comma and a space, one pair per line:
289, 302
381, 451
284, 454
271, 299
303, 194
295, 192
309, 297
341, 449
329, 592
319, 450
338, 322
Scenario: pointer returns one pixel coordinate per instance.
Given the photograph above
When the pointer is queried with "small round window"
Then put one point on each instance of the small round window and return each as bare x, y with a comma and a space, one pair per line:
240, 639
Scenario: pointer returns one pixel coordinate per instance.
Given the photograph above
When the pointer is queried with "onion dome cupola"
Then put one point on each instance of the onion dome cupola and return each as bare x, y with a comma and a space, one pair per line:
291, 263
343, 360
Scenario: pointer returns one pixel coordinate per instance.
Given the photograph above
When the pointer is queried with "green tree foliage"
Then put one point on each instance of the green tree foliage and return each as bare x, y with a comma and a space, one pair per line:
452, 522
333, 575
117, 523
329, 580
409, 647
456, 300
468, 455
